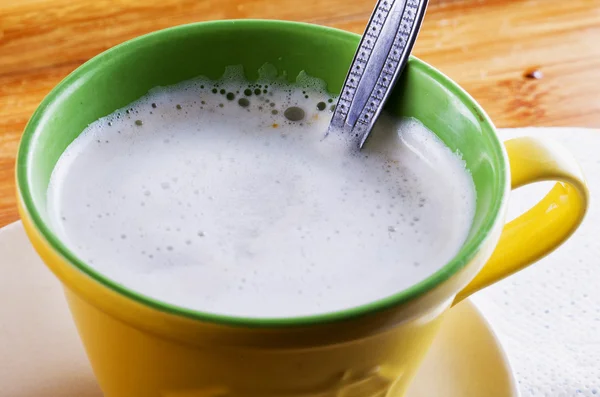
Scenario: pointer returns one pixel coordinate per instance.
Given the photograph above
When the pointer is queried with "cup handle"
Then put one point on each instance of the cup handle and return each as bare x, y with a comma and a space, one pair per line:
549, 223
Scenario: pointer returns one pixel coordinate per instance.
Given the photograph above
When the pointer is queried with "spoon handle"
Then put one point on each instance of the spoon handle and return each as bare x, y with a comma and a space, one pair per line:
382, 54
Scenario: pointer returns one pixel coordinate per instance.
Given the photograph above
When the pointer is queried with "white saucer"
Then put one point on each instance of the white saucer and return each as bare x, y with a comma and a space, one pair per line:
41, 355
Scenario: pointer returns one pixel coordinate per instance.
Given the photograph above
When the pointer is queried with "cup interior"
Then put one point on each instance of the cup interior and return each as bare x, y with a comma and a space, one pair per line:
124, 73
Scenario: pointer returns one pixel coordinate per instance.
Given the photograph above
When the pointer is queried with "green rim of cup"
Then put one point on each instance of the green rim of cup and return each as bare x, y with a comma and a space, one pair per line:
316, 36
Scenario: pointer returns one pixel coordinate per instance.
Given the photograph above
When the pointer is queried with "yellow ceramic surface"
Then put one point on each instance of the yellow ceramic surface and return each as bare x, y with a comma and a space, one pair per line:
142, 348
139, 351
549, 223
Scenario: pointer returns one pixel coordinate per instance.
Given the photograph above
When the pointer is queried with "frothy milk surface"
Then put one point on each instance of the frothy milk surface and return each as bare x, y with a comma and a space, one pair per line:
225, 198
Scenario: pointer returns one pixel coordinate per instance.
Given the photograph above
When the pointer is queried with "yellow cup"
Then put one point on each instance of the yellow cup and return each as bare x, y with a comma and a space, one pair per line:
140, 347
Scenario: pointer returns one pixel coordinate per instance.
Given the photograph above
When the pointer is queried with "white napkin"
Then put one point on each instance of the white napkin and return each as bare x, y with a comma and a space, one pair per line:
548, 316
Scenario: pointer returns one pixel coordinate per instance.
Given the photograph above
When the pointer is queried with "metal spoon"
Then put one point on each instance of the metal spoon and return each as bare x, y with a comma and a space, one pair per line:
378, 63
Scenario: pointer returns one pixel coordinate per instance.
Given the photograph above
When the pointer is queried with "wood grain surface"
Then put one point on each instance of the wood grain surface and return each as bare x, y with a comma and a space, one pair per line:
487, 46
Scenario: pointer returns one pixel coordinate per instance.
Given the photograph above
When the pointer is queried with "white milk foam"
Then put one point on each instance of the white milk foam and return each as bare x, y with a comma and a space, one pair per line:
213, 206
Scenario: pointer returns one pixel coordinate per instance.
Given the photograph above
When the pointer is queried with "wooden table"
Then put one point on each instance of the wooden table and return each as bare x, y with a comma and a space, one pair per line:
487, 46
